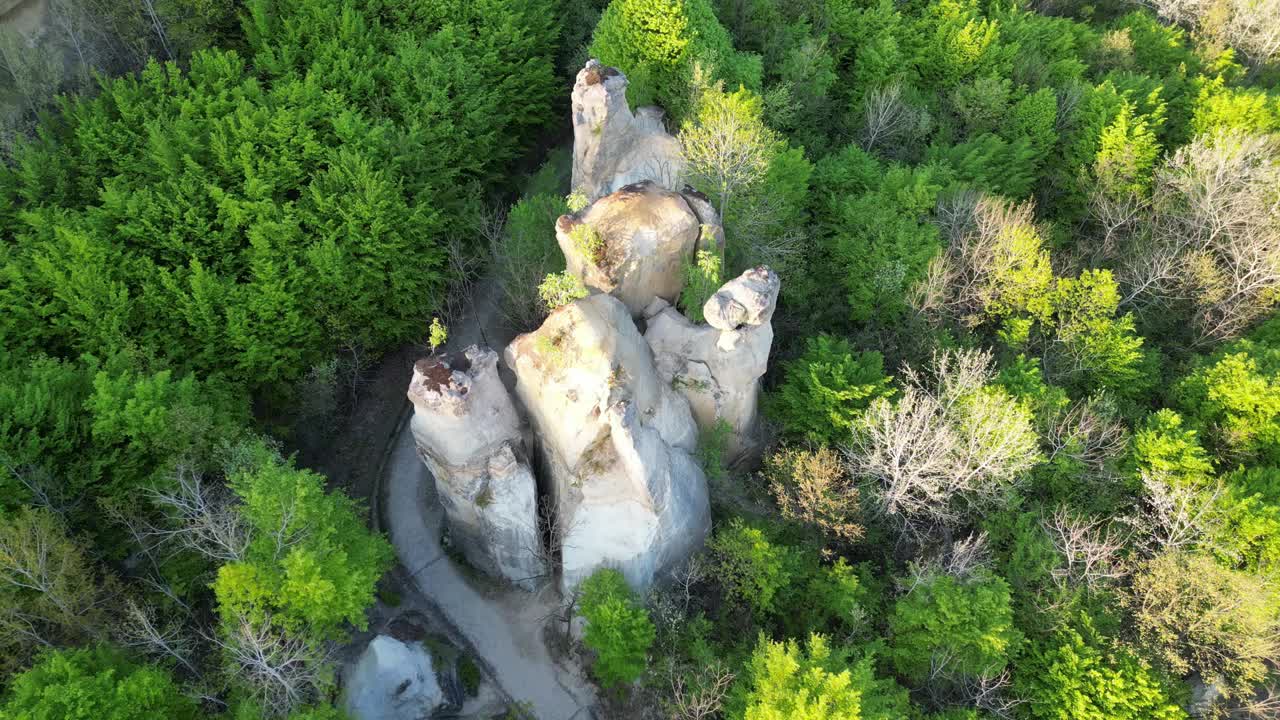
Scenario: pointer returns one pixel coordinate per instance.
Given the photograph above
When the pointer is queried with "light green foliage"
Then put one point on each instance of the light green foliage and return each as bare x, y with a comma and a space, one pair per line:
1099, 349
966, 623
525, 252
1233, 396
956, 43
702, 278
311, 564
1127, 153
95, 683
576, 201
437, 334
1247, 532
727, 147
1196, 616
1078, 675
751, 568
785, 681
588, 242
618, 628
561, 288
826, 389
1222, 108
659, 43
1165, 450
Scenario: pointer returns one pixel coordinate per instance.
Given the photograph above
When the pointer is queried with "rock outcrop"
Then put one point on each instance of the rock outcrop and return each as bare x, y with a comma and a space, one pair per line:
717, 366
634, 243
471, 438
616, 441
613, 148
392, 680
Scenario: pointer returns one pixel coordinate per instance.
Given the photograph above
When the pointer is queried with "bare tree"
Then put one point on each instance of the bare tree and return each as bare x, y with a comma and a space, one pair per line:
1090, 434
1174, 516
1248, 25
699, 697
1091, 550
49, 593
1264, 705
1214, 243
886, 116
945, 451
282, 671
143, 629
203, 517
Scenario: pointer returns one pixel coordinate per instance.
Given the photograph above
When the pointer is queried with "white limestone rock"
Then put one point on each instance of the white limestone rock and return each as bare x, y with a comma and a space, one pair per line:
469, 435
717, 366
613, 148
616, 442
392, 680
647, 233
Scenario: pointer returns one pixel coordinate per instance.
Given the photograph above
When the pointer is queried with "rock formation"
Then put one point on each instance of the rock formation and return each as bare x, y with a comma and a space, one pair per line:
718, 366
392, 680
613, 148
616, 443
470, 436
634, 243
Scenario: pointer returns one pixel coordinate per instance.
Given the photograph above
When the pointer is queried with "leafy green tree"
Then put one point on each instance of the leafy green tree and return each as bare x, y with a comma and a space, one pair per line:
826, 389
95, 683
1079, 675
1164, 449
618, 628
311, 562
883, 240
659, 44
1247, 533
752, 569
1233, 396
963, 625
785, 681
1097, 348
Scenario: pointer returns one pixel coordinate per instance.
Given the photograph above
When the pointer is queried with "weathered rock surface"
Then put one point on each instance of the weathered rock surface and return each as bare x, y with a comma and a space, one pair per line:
613, 148
616, 441
646, 234
717, 366
469, 435
392, 680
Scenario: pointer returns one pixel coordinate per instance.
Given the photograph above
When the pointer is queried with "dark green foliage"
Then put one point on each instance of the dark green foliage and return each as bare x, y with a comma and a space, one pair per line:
966, 623
826, 389
618, 628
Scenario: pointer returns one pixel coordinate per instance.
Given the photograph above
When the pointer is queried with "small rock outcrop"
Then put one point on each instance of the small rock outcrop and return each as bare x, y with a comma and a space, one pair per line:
469, 435
612, 147
717, 366
616, 441
392, 680
633, 244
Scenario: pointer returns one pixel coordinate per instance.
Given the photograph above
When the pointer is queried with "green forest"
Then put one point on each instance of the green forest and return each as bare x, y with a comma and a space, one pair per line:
1024, 391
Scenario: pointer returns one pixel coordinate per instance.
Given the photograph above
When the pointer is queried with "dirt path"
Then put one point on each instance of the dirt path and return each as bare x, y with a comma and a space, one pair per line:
502, 625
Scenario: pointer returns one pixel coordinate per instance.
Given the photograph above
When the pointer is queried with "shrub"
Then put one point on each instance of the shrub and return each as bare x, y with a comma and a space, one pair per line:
95, 683
752, 569
814, 487
618, 628
701, 281
561, 288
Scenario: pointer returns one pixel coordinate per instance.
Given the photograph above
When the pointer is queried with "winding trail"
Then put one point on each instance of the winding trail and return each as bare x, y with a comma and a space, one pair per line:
502, 624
